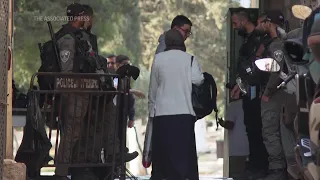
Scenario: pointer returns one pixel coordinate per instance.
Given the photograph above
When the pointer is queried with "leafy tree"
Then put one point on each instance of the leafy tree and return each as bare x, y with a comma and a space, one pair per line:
129, 27
116, 24
142, 84
208, 41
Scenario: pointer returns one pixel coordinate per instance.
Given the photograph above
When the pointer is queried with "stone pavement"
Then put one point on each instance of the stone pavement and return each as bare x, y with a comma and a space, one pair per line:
209, 166
201, 178
208, 163
148, 177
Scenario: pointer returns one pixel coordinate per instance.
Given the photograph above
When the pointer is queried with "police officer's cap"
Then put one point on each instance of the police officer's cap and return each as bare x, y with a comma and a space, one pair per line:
88, 9
295, 51
75, 9
275, 17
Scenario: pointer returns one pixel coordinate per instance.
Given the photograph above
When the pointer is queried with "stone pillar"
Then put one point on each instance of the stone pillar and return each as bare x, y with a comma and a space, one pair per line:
9, 141
4, 7
13, 170
254, 4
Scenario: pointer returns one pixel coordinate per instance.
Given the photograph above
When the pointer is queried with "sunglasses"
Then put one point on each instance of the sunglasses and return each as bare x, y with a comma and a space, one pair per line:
188, 32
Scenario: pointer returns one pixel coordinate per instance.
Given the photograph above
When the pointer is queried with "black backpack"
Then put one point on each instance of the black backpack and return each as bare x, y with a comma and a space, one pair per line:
204, 97
50, 63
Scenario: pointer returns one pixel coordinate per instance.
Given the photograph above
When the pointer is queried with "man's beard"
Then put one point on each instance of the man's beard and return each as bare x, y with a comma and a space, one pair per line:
242, 31
260, 32
89, 28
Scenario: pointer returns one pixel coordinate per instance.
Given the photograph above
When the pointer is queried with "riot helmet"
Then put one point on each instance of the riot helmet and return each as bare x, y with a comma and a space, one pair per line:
294, 51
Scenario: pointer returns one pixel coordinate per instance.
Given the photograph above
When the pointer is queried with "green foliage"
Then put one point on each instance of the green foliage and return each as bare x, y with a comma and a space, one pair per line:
112, 17
208, 41
142, 84
129, 27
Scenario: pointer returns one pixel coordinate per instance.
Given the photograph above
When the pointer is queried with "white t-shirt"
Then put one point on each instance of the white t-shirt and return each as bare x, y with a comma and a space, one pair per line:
238, 139
115, 84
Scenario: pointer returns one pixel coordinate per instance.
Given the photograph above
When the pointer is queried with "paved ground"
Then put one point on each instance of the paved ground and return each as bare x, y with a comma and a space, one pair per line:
208, 163
201, 178
209, 166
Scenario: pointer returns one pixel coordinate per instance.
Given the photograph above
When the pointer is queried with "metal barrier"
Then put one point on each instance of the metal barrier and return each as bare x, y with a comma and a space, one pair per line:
86, 117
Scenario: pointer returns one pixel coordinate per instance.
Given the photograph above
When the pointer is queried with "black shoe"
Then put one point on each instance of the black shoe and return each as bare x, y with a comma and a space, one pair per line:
47, 159
83, 174
253, 175
127, 157
277, 174
131, 156
56, 177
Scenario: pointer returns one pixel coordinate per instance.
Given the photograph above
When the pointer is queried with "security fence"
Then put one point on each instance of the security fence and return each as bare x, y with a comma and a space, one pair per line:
81, 114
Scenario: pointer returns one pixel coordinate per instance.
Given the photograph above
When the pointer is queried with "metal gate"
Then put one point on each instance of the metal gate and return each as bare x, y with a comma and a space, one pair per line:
4, 11
82, 116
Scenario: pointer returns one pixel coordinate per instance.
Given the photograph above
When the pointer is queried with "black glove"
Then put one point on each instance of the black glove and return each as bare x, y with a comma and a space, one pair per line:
128, 70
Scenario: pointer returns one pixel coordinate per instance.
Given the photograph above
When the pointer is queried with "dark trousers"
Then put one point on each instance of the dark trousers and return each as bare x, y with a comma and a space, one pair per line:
174, 155
258, 158
120, 130
237, 166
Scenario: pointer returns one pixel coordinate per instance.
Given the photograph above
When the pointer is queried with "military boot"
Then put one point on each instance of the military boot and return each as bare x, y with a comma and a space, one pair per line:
84, 174
253, 175
295, 171
60, 177
276, 174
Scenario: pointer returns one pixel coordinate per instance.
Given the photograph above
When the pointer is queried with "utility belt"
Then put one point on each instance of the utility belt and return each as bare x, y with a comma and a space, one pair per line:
290, 92
85, 63
255, 91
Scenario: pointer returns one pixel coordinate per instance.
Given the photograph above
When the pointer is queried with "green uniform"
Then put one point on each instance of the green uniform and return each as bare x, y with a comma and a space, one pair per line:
74, 107
101, 131
278, 115
270, 111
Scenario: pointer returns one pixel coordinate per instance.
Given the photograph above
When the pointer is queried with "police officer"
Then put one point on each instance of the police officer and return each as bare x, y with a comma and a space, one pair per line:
101, 68
74, 108
272, 98
258, 158
295, 52
91, 38
288, 128
88, 26
314, 121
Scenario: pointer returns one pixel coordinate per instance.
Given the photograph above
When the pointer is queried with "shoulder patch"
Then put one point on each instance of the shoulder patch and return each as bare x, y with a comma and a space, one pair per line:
64, 55
278, 55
